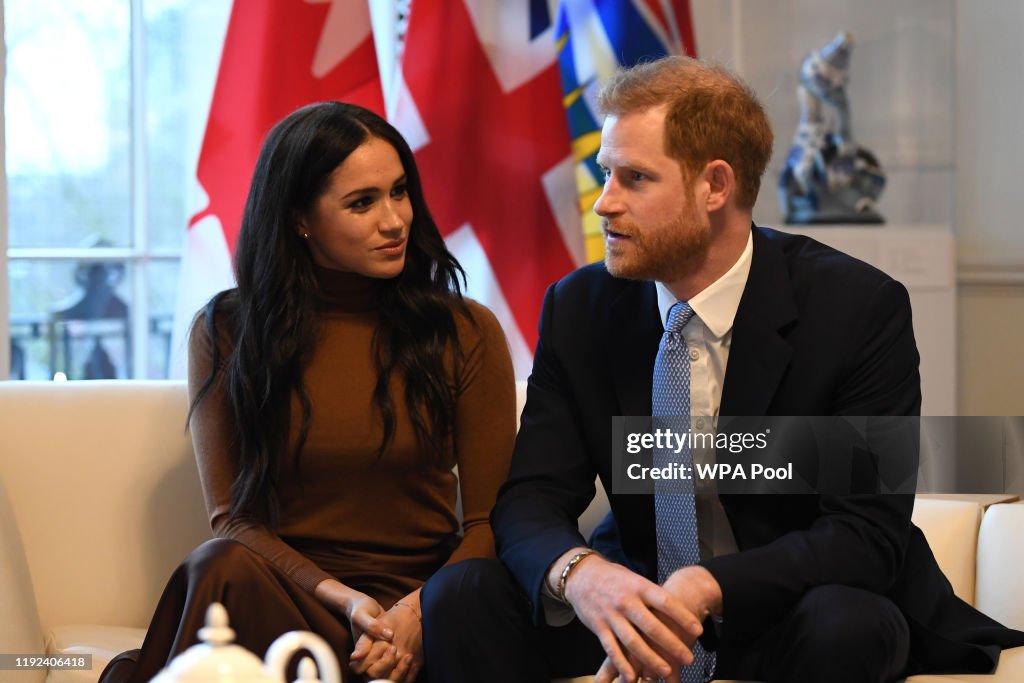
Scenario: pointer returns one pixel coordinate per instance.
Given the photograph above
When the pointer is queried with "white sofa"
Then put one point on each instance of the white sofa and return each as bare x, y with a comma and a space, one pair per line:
100, 500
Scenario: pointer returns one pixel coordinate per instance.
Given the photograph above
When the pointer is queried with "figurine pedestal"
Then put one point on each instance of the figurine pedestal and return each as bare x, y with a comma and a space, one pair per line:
923, 259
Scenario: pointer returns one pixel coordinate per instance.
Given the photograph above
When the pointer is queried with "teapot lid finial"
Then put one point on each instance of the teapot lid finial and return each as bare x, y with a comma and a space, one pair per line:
216, 632
216, 659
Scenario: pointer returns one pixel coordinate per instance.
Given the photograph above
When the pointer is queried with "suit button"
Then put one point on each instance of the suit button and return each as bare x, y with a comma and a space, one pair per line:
694, 354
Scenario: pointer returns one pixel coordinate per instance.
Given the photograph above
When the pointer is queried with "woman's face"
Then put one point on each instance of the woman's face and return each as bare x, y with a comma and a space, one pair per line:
360, 224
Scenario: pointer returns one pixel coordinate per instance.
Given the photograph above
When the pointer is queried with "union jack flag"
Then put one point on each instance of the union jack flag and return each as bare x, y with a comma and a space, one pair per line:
480, 102
495, 98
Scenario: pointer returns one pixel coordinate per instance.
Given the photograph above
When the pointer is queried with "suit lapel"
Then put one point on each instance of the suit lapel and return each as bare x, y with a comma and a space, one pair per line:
759, 354
633, 344
634, 334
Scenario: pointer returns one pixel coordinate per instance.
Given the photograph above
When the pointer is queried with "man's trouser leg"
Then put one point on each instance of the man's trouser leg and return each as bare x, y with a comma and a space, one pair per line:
477, 626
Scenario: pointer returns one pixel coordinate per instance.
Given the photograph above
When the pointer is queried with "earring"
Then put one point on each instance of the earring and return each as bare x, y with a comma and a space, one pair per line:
305, 235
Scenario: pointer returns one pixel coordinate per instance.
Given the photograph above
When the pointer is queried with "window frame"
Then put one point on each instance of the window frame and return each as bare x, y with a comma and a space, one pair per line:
139, 256
5, 296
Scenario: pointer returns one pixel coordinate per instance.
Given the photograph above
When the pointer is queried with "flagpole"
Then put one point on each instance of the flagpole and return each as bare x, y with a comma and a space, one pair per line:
384, 19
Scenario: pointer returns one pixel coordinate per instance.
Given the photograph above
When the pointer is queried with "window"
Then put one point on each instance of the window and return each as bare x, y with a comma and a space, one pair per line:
105, 108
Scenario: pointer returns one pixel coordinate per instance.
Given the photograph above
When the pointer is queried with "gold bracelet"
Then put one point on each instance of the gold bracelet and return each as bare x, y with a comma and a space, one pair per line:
402, 604
569, 566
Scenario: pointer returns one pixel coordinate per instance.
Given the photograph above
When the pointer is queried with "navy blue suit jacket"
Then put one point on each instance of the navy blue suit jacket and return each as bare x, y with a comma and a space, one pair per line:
816, 333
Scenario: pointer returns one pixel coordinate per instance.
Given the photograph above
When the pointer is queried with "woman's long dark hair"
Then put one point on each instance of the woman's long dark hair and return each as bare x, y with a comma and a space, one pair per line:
271, 316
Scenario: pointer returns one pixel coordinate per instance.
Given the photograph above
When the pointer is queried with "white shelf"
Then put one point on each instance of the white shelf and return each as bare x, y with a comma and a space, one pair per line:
923, 258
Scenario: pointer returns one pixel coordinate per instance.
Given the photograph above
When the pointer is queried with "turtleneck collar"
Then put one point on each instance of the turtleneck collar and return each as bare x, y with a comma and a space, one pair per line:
343, 292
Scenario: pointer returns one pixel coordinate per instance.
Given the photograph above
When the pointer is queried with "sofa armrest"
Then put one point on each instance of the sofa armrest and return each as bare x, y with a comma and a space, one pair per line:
20, 632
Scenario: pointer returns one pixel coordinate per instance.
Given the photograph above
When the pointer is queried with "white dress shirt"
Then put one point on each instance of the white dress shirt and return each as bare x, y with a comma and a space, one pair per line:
708, 336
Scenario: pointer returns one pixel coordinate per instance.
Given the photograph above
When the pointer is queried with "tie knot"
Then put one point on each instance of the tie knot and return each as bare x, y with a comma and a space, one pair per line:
678, 316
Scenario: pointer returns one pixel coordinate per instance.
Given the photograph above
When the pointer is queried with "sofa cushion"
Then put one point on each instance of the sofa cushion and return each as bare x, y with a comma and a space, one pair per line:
1000, 564
951, 527
103, 482
102, 642
1010, 670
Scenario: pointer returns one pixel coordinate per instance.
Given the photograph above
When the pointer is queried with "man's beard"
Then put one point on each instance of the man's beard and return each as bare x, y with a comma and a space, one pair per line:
665, 254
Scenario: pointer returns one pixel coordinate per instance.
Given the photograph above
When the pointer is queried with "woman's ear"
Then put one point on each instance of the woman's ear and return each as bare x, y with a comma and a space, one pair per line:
721, 181
300, 226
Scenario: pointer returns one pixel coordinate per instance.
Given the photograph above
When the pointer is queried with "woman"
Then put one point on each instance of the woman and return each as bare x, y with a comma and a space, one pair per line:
347, 377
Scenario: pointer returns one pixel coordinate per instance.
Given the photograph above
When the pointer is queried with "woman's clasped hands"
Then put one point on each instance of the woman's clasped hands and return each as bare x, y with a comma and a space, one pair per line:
389, 644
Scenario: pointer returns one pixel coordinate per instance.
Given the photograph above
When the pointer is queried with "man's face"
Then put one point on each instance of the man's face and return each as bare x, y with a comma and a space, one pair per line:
653, 228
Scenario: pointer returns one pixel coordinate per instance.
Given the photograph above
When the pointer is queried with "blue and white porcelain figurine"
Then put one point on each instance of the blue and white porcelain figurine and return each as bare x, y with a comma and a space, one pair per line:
828, 177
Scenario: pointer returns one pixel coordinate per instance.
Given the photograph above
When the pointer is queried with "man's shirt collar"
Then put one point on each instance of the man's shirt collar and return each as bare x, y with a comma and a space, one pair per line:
717, 304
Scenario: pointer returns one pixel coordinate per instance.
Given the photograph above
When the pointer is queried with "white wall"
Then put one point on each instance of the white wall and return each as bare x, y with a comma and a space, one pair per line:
989, 205
989, 134
990, 366
901, 86
934, 93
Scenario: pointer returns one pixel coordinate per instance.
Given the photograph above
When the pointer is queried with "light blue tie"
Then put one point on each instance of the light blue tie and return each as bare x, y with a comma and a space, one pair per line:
675, 509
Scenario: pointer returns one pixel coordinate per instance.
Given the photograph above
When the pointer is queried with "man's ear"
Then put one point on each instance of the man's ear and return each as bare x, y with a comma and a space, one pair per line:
721, 182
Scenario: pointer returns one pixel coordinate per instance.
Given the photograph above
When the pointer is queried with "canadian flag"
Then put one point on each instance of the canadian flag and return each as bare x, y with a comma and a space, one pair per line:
278, 55
480, 101
483, 101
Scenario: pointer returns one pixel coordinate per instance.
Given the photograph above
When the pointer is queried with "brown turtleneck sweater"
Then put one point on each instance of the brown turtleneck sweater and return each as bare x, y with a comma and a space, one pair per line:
381, 526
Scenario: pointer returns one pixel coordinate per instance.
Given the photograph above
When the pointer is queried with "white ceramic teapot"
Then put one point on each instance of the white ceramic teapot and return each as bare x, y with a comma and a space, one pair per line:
218, 660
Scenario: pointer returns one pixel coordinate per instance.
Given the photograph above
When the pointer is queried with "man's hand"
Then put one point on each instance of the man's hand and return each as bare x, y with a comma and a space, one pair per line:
697, 589
700, 594
607, 674
641, 626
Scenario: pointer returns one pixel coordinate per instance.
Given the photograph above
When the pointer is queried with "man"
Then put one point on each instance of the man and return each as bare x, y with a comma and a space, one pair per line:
696, 312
